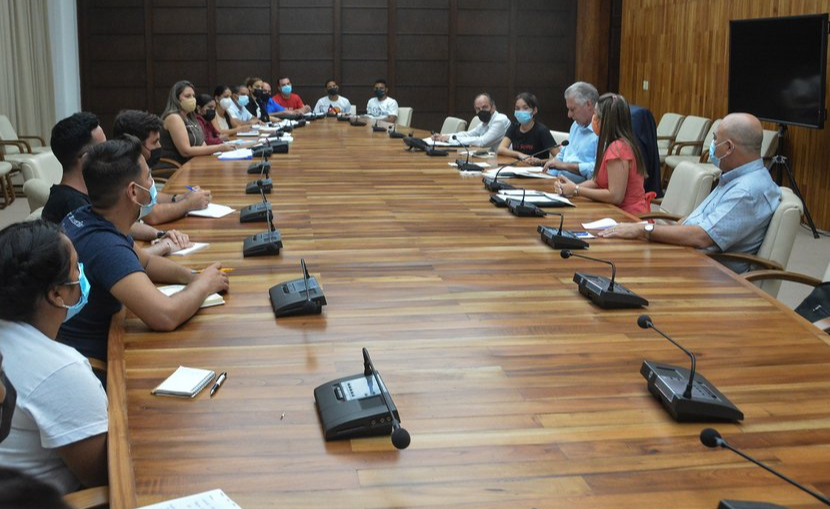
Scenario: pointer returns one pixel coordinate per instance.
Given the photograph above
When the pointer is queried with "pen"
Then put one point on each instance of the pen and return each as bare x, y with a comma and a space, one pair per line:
223, 270
219, 382
190, 188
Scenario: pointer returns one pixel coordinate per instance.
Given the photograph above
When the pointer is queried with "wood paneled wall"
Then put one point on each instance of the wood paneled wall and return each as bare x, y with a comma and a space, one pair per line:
435, 54
681, 47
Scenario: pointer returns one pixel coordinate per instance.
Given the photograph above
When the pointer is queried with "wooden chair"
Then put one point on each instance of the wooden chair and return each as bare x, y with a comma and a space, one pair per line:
689, 141
6, 186
794, 277
667, 129
89, 498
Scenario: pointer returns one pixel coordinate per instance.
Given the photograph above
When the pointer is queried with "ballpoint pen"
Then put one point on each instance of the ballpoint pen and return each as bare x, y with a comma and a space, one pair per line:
190, 188
224, 270
219, 381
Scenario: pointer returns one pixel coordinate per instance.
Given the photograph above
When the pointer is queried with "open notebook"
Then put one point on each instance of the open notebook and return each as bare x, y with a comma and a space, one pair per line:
185, 382
214, 299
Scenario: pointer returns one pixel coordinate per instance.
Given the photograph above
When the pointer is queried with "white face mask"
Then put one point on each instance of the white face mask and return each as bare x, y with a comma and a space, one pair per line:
225, 103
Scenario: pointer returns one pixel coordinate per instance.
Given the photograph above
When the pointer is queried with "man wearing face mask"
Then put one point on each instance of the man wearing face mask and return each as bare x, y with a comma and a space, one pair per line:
333, 103
72, 137
286, 98
576, 160
735, 215
381, 106
240, 97
271, 105
489, 132
122, 190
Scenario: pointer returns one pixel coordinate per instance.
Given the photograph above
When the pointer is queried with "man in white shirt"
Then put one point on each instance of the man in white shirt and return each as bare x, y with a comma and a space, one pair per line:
240, 96
381, 106
489, 132
333, 102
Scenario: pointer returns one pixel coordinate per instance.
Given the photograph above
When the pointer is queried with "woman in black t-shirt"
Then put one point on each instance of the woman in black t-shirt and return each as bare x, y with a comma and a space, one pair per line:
528, 138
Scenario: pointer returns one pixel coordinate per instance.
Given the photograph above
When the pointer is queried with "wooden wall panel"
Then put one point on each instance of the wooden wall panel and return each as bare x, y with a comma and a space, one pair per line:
681, 48
435, 54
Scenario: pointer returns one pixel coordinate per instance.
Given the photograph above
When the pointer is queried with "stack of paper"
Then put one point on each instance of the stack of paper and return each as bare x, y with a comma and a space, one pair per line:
213, 210
185, 382
238, 154
216, 499
214, 299
192, 249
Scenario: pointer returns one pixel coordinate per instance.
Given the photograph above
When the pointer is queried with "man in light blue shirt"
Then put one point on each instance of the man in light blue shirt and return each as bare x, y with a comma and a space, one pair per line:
735, 216
489, 132
576, 160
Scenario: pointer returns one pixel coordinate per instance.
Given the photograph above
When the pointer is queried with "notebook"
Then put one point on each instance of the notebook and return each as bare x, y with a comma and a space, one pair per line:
185, 382
214, 299
215, 499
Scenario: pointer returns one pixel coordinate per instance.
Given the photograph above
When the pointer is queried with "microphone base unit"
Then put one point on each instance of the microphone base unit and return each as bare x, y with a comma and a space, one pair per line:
352, 407
258, 212
378, 129
257, 186
596, 288
526, 209
262, 244
561, 239
279, 147
494, 186
263, 167
397, 135
743, 504
357, 123
434, 152
465, 166
667, 383
289, 298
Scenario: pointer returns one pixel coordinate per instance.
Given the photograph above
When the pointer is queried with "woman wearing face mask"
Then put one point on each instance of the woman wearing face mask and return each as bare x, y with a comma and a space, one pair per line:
527, 140
59, 427
619, 180
205, 113
182, 136
223, 122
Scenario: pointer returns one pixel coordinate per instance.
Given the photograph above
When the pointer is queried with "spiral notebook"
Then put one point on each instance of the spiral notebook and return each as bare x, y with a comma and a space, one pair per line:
185, 382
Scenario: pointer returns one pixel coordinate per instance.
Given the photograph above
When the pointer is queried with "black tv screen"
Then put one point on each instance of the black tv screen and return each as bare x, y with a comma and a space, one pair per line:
777, 69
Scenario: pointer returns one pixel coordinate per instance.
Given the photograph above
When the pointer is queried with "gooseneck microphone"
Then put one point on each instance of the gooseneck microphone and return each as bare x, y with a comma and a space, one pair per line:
465, 165
520, 209
567, 253
644, 321
400, 437
711, 438
493, 185
432, 151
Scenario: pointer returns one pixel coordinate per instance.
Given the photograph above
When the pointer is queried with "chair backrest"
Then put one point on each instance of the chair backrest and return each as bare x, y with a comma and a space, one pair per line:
710, 134
452, 125
689, 185
42, 166
780, 236
37, 193
353, 110
769, 145
404, 116
7, 133
559, 136
693, 129
474, 122
826, 276
668, 126
35, 215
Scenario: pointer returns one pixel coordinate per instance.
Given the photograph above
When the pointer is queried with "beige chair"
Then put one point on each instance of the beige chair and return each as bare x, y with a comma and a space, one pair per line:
37, 193
775, 250
353, 110
768, 146
404, 116
474, 122
782, 275
42, 166
6, 187
690, 184
452, 125
673, 160
689, 139
34, 215
16, 148
559, 136
667, 129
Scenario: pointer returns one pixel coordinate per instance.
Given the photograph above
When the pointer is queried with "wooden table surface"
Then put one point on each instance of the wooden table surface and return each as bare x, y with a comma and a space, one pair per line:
518, 392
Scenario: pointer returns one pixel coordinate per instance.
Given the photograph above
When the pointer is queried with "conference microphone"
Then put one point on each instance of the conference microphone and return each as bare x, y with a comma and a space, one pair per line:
378, 129
400, 437
256, 212
263, 244
711, 438
432, 151
261, 185
522, 209
601, 290
264, 151
687, 396
559, 238
465, 165
493, 185
303, 296
393, 132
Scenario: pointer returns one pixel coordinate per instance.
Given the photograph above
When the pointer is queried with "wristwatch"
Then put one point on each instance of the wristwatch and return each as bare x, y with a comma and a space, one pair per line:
648, 228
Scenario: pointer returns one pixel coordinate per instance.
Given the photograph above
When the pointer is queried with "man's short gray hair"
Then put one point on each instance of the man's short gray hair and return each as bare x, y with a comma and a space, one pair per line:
582, 92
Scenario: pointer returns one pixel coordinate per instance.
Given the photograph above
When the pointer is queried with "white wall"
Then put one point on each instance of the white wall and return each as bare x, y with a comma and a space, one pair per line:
66, 69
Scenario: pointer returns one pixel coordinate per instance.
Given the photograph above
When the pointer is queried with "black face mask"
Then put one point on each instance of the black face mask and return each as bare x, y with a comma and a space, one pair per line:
257, 92
155, 155
485, 115
209, 115
7, 408
333, 90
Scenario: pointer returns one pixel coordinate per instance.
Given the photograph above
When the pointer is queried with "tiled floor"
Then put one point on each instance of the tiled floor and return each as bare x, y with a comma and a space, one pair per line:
810, 256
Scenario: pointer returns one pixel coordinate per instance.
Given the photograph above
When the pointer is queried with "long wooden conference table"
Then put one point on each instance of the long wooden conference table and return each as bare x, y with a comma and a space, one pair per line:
517, 391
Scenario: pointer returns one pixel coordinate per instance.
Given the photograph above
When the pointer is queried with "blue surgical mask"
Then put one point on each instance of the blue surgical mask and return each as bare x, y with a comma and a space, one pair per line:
523, 116
712, 157
83, 282
243, 100
146, 209
286, 89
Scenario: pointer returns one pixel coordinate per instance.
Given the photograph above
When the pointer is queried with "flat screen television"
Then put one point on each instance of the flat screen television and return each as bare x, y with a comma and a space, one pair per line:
777, 69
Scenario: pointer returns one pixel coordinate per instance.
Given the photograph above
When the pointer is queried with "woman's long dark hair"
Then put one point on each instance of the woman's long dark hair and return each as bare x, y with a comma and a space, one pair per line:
615, 118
